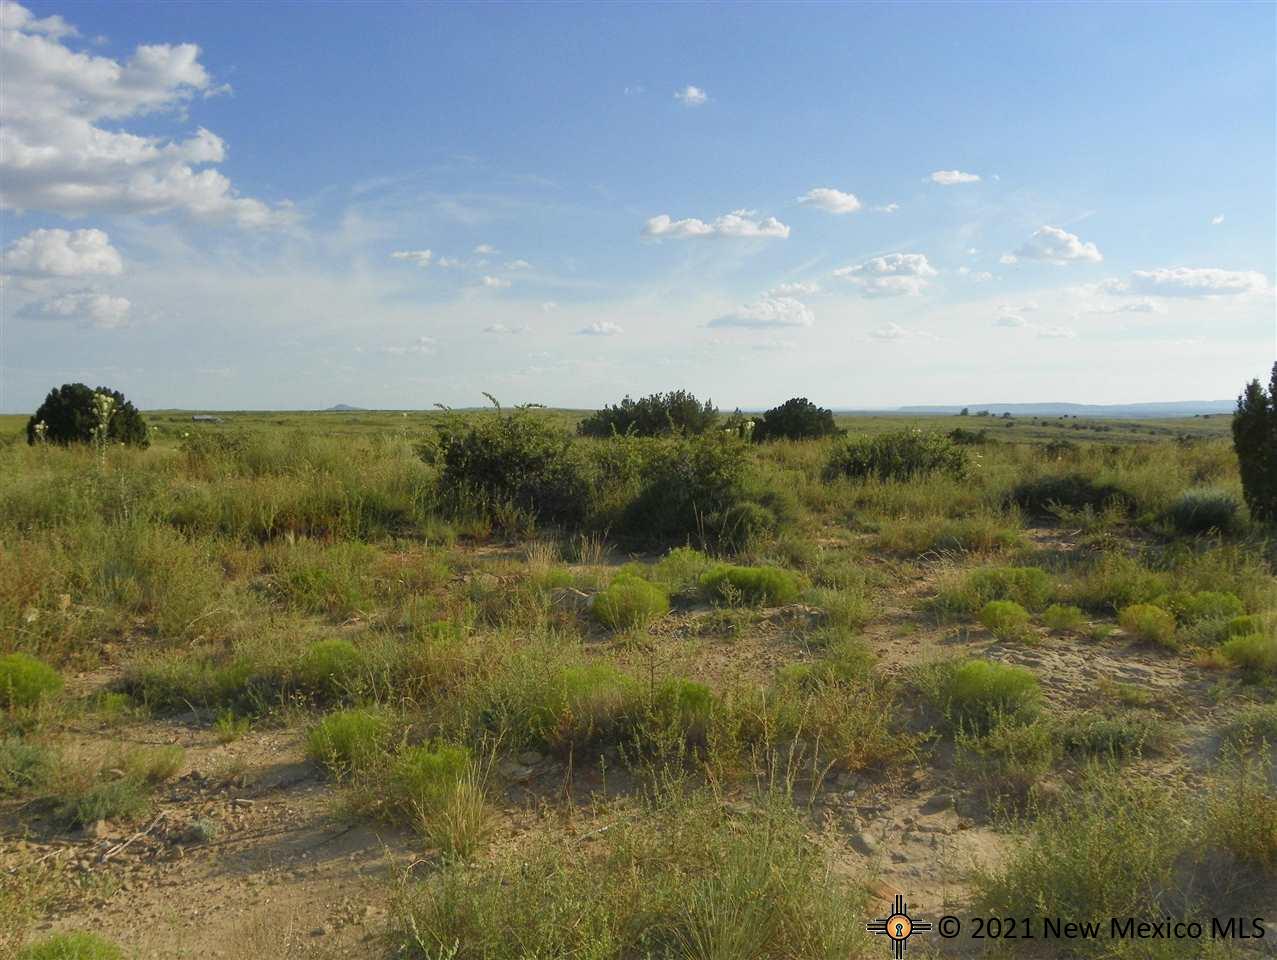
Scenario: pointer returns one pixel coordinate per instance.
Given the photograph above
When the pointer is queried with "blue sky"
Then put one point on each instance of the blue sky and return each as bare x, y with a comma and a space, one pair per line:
230, 206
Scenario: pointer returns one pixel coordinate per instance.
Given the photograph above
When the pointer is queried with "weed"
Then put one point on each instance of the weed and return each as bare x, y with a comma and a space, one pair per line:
769, 585
229, 726
1031, 587
1005, 619
900, 455
630, 602
1063, 618
1255, 652
349, 740
24, 680
1147, 622
71, 946
331, 669
979, 694
1204, 511
1242, 813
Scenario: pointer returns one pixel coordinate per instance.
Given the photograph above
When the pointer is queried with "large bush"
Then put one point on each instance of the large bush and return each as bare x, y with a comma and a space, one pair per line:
899, 455
795, 419
1042, 495
653, 416
1255, 440
517, 459
71, 413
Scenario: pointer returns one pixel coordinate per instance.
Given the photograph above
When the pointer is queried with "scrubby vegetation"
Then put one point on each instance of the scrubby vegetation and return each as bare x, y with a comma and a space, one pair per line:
657, 415
73, 413
639, 691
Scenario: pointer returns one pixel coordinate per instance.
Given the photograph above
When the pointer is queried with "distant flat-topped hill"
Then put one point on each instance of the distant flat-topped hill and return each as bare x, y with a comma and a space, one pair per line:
343, 408
1172, 408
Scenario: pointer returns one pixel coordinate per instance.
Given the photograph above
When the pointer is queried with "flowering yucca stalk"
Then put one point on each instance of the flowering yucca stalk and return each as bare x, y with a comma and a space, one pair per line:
103, 411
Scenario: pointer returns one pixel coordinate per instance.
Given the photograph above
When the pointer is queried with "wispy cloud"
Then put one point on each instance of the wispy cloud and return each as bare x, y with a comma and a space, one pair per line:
691, 96
948, 178
738, 223
830, 200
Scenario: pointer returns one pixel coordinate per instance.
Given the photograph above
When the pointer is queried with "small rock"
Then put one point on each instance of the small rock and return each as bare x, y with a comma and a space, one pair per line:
515, 772
530, 758
936, 803
319, 931
899, 856
99, 831
864, 843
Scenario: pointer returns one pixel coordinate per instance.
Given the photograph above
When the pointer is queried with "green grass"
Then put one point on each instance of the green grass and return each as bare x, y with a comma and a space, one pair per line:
769, 585
1063, 618
630, 602
1147, 622
24, 680
1030, 587
1255, 652
980, 694
349, 740
71, 946
1005, 619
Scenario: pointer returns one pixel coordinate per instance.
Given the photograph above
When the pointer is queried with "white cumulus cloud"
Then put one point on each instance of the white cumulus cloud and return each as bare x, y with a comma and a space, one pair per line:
888, 208
691, 96
601, 328
831, 200
947, 178
100, 310
768, 312
738, 223
496, 283
1217, 220
1055, 245
61, 147
892, 275
421, 258
484, 249
1190, 282
799, 289
63, 253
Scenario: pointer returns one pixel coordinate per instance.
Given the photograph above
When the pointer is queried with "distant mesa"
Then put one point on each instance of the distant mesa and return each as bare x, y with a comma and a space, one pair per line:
1172, 408
343, 408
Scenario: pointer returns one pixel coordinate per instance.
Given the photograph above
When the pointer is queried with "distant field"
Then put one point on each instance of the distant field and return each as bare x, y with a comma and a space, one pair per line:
173, 423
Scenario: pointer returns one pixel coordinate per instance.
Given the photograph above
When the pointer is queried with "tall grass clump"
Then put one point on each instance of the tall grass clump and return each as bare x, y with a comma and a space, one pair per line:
770, 585
1204, 511
899, 455
1255, 652
77, 945
24, 680
1115, 848
1148, 622
683, 881
1046, 495
1030, 587
349, 740
1005, 619
443, 791
628, 602
978, 694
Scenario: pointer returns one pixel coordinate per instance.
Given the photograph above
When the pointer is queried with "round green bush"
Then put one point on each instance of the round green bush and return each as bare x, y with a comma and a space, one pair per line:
330, 667
1203, 605
425, 775
1204, 511
1060, 616
1253, 652
751, 584
1148, 622
1042, 495
983, 693
69, 415
898, 455
1005, 618
795, 419
24, 680
348, 740
71, 946
629, 601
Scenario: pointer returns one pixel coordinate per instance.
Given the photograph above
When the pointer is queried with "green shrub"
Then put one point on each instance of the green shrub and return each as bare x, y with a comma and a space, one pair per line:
795, 419
519, 460
1042, 496
1031, 587
1203, 605
698, 490
1116, 848
979, 694
1252, 726
70, 415
125, 798
680, 570
578, 705
1204, 511
629, 601
1008, 761
656, 415
770, 585
686, 705
24, 766
71, 946
1242, 813
1148, 622
1255, 440
1253, 652
1062, 617
425, 776
24, 680
1005, 619
331, 668
898, 455
348, 740
1108, 737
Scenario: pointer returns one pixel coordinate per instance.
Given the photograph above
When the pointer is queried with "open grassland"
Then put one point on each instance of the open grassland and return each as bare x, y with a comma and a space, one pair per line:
460, 686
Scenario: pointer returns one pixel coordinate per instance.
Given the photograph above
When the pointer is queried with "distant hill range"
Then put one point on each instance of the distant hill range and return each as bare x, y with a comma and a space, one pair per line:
343, 408
1172, 408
